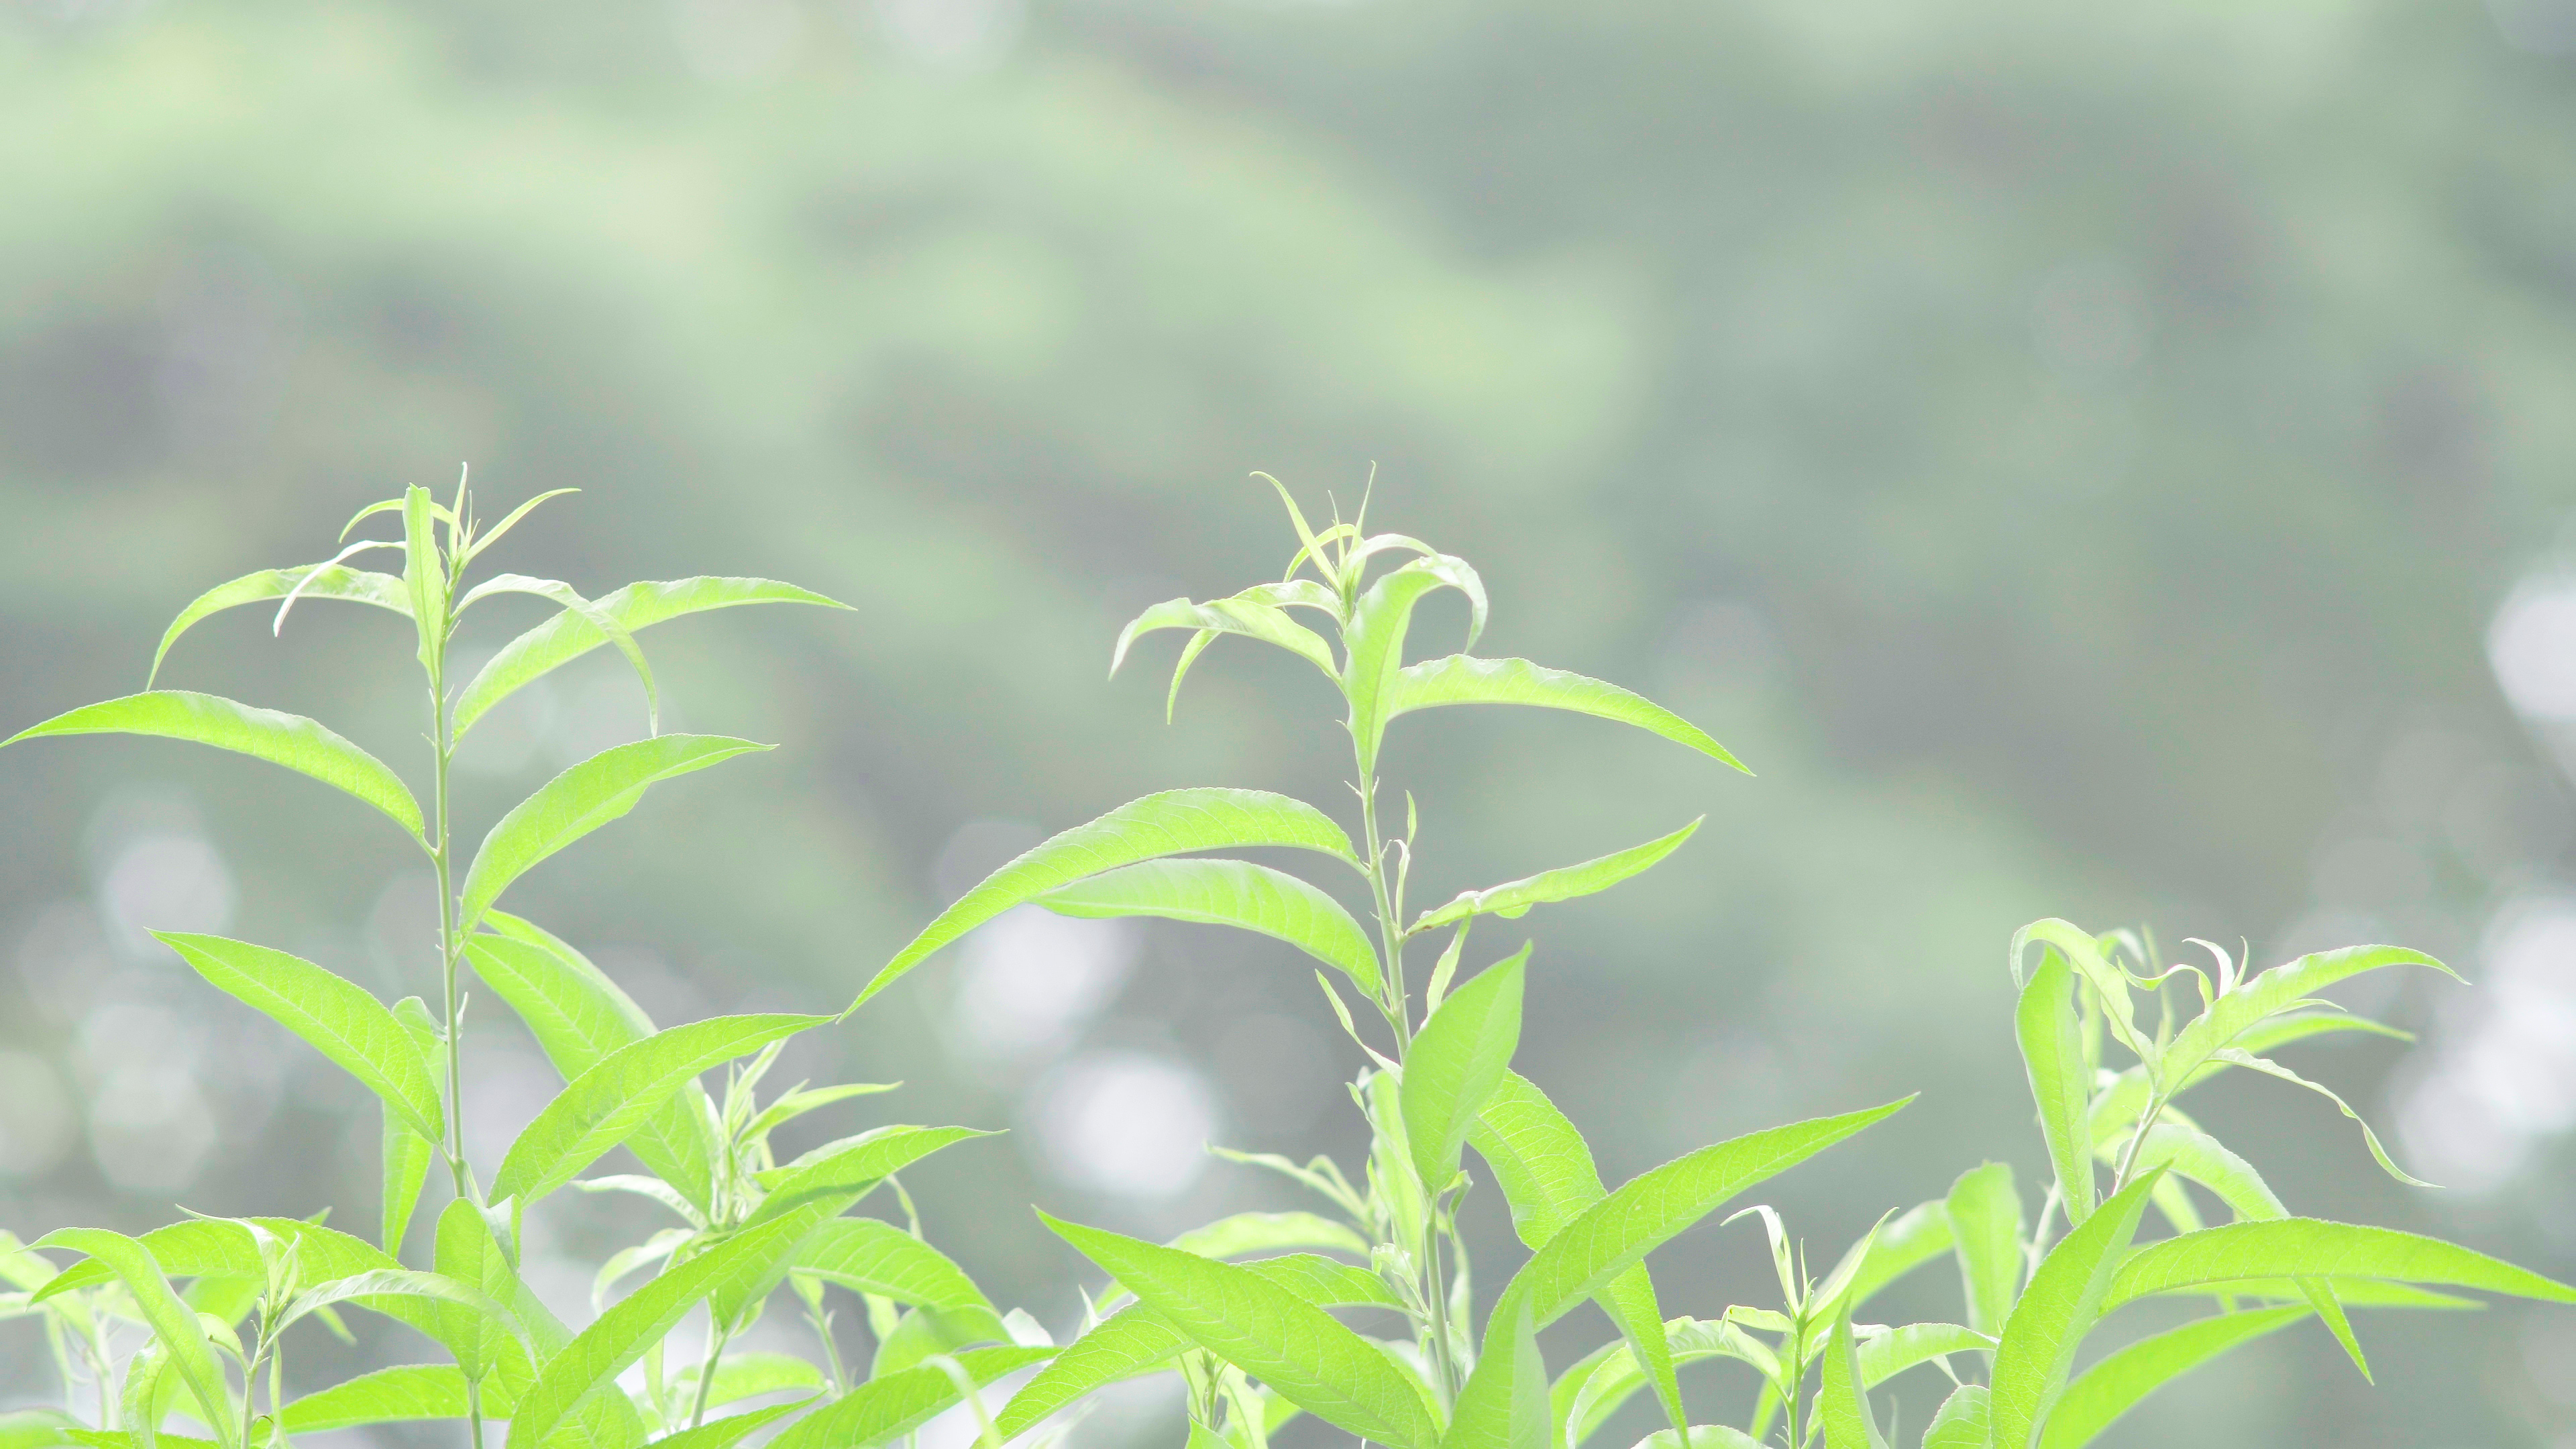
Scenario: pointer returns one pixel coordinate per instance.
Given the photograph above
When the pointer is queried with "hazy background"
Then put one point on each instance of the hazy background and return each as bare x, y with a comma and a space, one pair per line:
2112, 465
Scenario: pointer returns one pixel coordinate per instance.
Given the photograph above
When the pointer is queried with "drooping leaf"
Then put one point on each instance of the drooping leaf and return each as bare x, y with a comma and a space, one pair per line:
380, 1285
1962, 1421
565, 595
510, 521
1902, 1244
2067, 1294
1252, 618
1986, 1224
1514, 898
1242, 1233
2193, 1154
1653, 1207
1228, 893
1461, 679
2369, 1138
2305, 1247
174, 1325
888, 1407
2053, 1054
312, 581
290, 740
2118, 1105
1265, 1330
1504, 1402
338, 1018
2277, 990
1842, 1403
1374, 640
595, 1356
1456, 1061
867, 1256
1587, 1394
568, 636
579, 801
601, 1106
2091, 963
2109, 1389
1175, 822
579, 1016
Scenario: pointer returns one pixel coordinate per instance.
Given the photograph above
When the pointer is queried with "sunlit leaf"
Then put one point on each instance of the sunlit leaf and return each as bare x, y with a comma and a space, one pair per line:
1454, 1064
2277, 990
373, 1288
565, 595
1242, 1233
1131, 1341
796, 1104
867, 1256
2091, 964
2118, 1105
2067, 1294
424, 573
493, 535
338, 1018
1962, 1421
1175, 822
1228, 893
1702, 1436
749, 1375
899, 1403
1841, 1403
1504, 1402
600, 1107
1373, 675
173, 1324
579, 801
2369, 1138
1250, 617
724, 1433
2109, 1389
1902, 1244
2298, 1247
820, 1186
1268, 1332
1462, 679
290, 740
568, 636
2201, 1158
2053, 1054
1514, 898
1587, 1395
407, 1155
1986, 1225
312, 581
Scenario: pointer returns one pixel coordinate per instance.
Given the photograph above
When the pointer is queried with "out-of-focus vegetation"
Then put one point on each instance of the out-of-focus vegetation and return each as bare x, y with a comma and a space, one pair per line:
2076, 460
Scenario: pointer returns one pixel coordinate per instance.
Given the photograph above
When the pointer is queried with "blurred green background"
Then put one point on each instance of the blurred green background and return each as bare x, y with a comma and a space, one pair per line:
2107, 463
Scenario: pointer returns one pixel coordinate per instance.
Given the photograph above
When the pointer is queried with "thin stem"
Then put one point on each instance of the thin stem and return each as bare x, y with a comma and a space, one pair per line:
831, 1351
716, 1340
474, 1409
2129, 1157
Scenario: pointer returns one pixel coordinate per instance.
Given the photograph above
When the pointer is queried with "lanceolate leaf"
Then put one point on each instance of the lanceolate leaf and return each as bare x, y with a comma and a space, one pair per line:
407, 1154
867, 1256
2111, 1388
820, 1186
1962, 1420
1653, 1207
1460, 679
568, 636
290, 740
2297, 1247
1372, 675
1606, 1382
1251, 617
599, 1353
559, 592
1904, 1243
424, 576
1456, 1062
898, 1403
1232, 1237
601, 1106
405, 1394
1265, 1330
311, 581
1842, 1403
2053, 1053
2201, 1158
2067, 1295
579, 801
1129, 1342
1175, 822
2276, 990
2119, 1104
1228, 893
1514, 898
724, 1433
1504, 1403
173, 1324
579, 1016
339, 1019
1985, 1219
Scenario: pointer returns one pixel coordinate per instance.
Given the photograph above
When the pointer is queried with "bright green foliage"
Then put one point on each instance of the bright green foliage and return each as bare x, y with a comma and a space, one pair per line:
1228, 893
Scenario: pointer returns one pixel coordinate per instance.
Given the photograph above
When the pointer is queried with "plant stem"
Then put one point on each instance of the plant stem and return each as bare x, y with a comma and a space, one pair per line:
443, 748
831, 1351
716, 1340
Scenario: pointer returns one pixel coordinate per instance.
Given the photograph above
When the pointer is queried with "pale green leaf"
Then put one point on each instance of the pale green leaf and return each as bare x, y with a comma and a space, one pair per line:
1175, 822
579, 801
2304, 1247
2067, 1294
338, 1018
2119, 1104
724, 1433
313, 581
289, 740
1514, 898
1842, 1403
1461, 679
1250, 617
820, 1186
867, 1256
1986, 1226
407, 1155
377, 1286
2351, 1292
1454, 1064
1589, 1393
173, 1324
1242, 1233
889, 1407
569, 598
2369, 1138
1228, 893
601, 1106
493, 535
2196, 1155
796, 1104
1702, 1436
748, 1376
424, 572
1269, 1332
2091, 965
1504, 1402
1883, 1356
2278, 990
1132, 1341
2053, 1054
2109, 1389
1373, 674
1902, 1244
1962, 1421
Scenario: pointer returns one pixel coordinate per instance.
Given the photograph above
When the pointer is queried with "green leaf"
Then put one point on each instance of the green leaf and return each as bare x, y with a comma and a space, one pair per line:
1962, 1420
579, 1016
2119, 1104
1374, 640
337, 1017
1504, 1403
1841, 1403
465, 1250
867, 1256
1455, 1063
1589, 1393
1702, 1436
1885, 1355
1174, 822
1252, 617
601, 1106
602, 1351
2068, 1293
1650, 1209
796, 1104
1326, 1283
820, 1186
1460, 679
1514, 898
1986, 1224
568, 636
2200, 1157
2279, 989
312, 581
565, 595
1132, 1341
406, 1394
1232, 1237
511, 521
1265, 1330
424, 574
749, 1375
899, 1403
579, 801
1904, 1243
2351, 1292
290, 740
2369, 1138
372, 1289
2053, 1054
2303, 1247
724, 1433
407, 1154
2109, 1389
2085, 954
174, 1325
1228, 893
